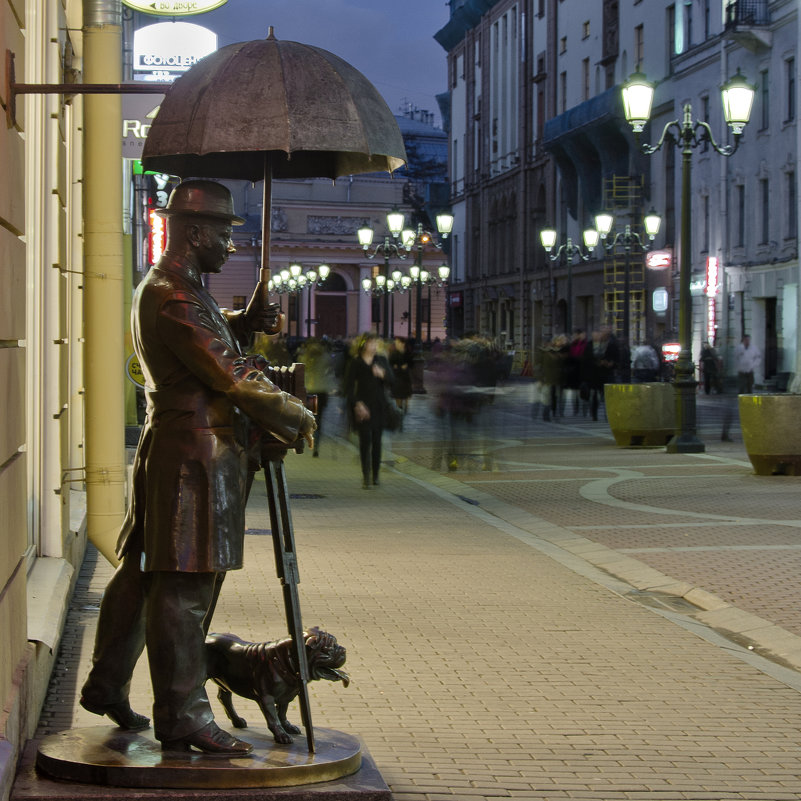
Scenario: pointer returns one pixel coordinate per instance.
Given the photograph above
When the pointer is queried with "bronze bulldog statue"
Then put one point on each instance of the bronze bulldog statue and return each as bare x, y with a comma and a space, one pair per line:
265, 673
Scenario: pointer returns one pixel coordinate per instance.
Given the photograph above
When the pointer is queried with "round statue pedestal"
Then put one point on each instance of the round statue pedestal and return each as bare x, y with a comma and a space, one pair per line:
111, 756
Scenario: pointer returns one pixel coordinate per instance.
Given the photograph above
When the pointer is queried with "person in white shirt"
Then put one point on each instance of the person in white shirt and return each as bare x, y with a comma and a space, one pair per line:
747, 358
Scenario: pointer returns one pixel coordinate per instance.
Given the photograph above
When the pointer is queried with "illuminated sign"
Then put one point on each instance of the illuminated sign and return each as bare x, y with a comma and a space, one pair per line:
711, 291
671, 351
174, 8
158, 236
711, 277
171, 47
659, 300
659, 259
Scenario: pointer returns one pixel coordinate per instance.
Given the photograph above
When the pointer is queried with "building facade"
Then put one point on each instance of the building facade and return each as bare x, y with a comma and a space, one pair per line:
538, 140
41, 358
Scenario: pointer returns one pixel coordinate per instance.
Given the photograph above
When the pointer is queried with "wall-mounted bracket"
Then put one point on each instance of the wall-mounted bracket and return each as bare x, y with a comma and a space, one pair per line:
12, 89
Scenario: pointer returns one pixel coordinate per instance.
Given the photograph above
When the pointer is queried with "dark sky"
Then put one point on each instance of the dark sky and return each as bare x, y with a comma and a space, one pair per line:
389, 41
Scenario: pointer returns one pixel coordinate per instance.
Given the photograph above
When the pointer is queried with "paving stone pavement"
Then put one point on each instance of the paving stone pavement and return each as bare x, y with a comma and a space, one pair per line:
533, 630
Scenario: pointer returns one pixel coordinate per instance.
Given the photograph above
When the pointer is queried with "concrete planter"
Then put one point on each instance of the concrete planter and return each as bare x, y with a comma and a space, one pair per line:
641, 415
771, 433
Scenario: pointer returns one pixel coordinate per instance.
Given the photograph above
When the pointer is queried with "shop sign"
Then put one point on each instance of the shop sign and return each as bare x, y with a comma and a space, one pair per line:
138, 112
174, 8
168, 48
659, 259
659, 300
133, 369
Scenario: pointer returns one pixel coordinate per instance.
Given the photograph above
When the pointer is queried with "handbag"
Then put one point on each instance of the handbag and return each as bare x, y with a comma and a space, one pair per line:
393, 416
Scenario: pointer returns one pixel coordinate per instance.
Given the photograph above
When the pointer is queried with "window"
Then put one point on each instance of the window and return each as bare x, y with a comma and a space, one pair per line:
585, 30
764, 96
688, 23
585, 79
739, 234
563, 90
639, 47
790, 73
541, 8
764, 189
563, 44
707, 20
792, 199
670, 27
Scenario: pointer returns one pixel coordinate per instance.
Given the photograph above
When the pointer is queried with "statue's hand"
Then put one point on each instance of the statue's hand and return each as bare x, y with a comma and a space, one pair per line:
261, 315
307, 428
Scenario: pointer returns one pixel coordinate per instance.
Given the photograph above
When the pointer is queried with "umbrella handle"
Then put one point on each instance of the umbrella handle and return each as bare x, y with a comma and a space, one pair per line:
262, 294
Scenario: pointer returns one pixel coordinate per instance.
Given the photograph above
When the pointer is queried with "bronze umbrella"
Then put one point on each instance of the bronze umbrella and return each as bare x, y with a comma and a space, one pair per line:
270, 108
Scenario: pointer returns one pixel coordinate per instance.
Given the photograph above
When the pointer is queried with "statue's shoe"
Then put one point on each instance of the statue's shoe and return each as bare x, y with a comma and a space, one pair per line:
120, 713
211, 740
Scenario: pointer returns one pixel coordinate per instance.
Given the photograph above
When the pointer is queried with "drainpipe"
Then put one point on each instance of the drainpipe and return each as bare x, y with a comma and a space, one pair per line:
796, 379
103, 278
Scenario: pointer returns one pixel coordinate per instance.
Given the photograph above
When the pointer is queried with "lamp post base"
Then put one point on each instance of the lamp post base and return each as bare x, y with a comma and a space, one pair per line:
685, 385
685, 443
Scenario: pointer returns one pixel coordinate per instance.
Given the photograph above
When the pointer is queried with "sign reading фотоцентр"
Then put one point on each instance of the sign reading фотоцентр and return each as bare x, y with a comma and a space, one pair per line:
166, 50
174, 8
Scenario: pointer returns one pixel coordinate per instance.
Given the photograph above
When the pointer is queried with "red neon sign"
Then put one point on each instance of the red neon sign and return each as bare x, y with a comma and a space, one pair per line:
711, 290
158, 236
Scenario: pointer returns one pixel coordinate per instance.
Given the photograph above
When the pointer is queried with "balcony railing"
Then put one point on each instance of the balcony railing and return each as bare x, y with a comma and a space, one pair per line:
747, 12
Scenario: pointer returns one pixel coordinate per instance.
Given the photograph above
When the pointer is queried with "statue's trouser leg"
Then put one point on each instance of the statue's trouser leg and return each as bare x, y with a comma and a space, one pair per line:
178, 606
120, 636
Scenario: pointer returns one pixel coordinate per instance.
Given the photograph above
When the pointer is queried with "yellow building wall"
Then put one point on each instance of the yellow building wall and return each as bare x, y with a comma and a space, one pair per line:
13, 528
40, 212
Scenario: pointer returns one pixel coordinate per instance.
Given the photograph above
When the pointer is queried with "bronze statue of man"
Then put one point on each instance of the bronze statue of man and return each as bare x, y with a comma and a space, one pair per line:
185, 524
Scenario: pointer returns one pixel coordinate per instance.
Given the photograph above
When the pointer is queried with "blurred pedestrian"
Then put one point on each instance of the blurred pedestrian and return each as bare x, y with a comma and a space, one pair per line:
710, 368
320, 379
400, 360
576, 381
367, 380
645, 364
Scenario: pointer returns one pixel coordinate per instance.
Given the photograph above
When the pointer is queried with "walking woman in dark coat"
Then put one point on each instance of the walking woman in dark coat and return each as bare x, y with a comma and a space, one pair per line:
366, 382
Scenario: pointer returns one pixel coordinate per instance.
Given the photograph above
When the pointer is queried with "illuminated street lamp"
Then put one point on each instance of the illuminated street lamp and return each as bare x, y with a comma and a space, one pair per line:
405, 238
421, 238
737, 96
292, 282
569, 251
628, 238
394, 244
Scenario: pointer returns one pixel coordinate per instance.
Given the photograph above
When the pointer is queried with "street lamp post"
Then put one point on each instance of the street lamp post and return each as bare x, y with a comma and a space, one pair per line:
388, 248
292, 282
570, 251
405, 238
628, 238
737, 95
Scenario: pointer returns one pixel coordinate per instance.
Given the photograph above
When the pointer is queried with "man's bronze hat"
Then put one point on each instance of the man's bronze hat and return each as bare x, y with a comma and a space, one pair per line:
197, 198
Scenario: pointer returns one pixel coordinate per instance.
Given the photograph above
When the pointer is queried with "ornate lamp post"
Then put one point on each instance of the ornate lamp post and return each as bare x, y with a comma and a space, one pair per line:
384, 284
569, 251
737, 95
628, 238
407, 238
292, 282
421, 238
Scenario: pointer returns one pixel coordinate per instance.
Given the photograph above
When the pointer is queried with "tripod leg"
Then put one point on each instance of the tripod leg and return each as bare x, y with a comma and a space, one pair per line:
287, 568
